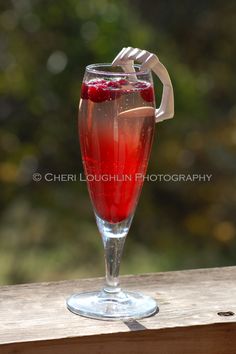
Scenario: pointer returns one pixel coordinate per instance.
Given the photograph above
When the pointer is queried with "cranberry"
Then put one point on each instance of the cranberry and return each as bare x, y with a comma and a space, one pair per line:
84, 91
113, 84
147, 94
98, 93
140, 84
123, 82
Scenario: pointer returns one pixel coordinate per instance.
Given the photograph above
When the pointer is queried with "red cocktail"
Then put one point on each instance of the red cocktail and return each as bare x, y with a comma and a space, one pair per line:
115, 145
116, 126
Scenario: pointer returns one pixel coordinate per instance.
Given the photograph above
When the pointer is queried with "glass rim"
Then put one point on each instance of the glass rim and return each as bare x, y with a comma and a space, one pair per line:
93, 68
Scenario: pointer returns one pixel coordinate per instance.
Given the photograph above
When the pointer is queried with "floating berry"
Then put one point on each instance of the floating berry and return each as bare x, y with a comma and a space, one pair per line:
113, 84
102, 90
98, 93
123, 82
147, 94
140, 84
84, 91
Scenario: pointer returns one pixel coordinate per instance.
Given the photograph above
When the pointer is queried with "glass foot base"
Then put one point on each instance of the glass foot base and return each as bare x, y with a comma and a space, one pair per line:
112, 306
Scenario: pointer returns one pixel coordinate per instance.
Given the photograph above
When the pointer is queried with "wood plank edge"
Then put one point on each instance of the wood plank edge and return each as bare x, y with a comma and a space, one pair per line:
220, 335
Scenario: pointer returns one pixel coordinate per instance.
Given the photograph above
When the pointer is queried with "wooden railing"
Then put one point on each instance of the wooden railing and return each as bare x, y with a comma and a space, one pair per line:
197, 315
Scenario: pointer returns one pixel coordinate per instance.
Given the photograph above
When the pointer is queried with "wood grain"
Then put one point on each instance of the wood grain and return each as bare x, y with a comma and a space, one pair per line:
34, 318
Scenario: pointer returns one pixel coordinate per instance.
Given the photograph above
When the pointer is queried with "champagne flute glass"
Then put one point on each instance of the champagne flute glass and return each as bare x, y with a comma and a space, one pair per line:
116, 126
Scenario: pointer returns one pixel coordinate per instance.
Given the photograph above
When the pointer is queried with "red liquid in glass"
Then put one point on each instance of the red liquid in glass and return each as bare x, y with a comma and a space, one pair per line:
115, 148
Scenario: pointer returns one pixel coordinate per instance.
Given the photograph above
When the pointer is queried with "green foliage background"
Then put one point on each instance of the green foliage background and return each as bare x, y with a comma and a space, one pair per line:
47, 230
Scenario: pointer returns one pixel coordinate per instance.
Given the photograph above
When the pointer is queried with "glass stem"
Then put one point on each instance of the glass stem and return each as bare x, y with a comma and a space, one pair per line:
113, 248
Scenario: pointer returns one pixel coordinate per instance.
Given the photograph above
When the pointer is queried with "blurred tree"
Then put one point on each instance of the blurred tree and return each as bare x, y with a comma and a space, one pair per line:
47, 229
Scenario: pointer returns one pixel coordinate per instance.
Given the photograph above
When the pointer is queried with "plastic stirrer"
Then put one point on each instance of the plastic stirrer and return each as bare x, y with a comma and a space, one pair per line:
126, 58
137, 112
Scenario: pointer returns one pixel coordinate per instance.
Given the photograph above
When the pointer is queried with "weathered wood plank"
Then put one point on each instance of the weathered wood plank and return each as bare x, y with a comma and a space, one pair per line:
34, 318
209, 339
